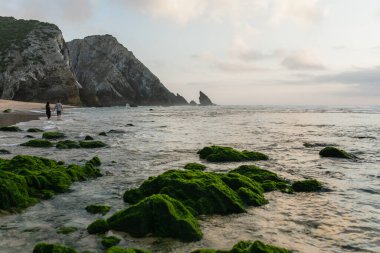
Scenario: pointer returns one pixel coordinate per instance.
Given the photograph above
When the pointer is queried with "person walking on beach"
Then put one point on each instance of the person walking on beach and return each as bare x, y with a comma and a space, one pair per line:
59, 108
48, 111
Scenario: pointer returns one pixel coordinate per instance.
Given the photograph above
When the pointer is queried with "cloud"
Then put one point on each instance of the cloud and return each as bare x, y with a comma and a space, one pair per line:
366, 76
303, 60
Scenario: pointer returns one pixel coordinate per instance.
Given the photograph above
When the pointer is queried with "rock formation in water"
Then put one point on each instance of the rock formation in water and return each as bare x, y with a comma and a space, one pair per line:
192, 102
111, 75
204, 99
34, 63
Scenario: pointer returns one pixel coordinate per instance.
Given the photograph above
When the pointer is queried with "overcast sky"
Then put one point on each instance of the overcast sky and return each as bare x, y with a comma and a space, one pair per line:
237, 51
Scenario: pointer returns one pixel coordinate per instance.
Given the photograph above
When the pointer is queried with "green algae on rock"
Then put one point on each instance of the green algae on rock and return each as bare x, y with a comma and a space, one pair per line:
35, 130
110, 241
227, 154
99, 226
247, 247
53, 135
117, 249
335, 152
92, 144
195, 166
25, 179
66, 230
67, 144
38, 143
10, 129
94, 209
160, 215
52, 248
203, 192
310, 185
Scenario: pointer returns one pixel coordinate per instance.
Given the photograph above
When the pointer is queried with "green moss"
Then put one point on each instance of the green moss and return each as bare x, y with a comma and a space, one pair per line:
38, 143
195, 166
247, 247
88, 138
34, 130
66, 230
334, 152
27, 178
158, 214
10, 129
7, 111
98, 209
257, 174
53, 135
4, 152
116, 249
95, 161
52, 248
99, 226
92, 144
227, 154
310, 185
67, 144
251, 198
110, 241
203, 192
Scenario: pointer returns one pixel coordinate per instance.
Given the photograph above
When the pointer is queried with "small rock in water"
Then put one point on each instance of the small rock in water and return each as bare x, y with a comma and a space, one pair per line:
130, 124
4, 152
103, 133
88, 138
116, 131
29, 136
335, 152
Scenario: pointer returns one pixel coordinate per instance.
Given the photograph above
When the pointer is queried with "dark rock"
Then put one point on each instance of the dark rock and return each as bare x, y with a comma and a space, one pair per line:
204, 99
88, 138
67, 144
335, 152
110, 241
192, 102
103, 133
92, 144
247, 247
37, 143
116, 131
227, 154
29, 136
130, 124
52, 248
4, 152
7, 111
99, 226
94, 209
34, 130
53, 135
10, 129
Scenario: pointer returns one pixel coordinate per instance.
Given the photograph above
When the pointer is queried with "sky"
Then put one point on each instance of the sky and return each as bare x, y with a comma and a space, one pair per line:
239, 52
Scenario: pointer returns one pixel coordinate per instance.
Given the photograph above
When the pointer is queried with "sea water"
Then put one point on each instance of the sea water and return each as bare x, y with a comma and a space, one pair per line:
344, 219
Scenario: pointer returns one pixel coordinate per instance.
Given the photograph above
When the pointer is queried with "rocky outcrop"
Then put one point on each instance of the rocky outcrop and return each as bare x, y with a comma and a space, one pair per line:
111, 75
34, 63
204, 99
192, 102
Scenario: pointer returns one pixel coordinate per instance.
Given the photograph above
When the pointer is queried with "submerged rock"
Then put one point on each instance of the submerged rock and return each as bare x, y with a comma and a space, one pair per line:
52, 248
247, 247
53, 135
110, 241
94, 209
10, 129
310, 185
195, 166
7, 111
66, 230
29, 136
37, 143
67, 144
204, 99
35, 130
92, 144
99, 226
335, 152
88, 138
158, 214
116, 249
227, 154
4, 152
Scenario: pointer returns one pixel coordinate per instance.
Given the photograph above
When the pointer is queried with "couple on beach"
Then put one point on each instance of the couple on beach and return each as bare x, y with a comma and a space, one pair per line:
58, 107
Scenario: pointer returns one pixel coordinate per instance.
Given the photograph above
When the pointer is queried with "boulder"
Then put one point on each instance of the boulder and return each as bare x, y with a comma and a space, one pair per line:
227, 154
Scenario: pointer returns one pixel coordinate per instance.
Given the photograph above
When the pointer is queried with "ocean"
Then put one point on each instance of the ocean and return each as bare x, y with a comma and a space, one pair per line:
346, 218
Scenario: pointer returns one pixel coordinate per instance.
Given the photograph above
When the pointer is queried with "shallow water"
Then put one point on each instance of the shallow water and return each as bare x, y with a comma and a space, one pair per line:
345, 219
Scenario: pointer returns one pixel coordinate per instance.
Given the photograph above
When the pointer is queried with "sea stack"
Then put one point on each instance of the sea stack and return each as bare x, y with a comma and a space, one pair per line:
34, 63
204, 100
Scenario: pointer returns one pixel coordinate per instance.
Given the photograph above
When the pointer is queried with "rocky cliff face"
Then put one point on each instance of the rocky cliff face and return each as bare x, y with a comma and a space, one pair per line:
34, 63
112, 75
204, 99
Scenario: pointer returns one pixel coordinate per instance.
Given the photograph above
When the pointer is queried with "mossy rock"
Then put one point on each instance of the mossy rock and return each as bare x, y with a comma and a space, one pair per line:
52, 248
7, 111
38, 143
335, 152
203, 192
53, 135
160, 215
103, 134
117, 249
29, 136
195, 166
110, 241
88, 138
257, 174
99, 226
310, 185
247, 247
4, 152
227, 154
92, 144
10, 129
25, 179
94, 209
35, 130
67, 144
250, 197
95, 161
66, 230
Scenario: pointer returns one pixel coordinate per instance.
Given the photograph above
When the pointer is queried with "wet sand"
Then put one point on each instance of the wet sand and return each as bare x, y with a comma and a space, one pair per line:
20, 112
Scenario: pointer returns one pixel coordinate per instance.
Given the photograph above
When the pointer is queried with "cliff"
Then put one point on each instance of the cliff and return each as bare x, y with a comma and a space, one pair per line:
34, 63
204, 99
111, 75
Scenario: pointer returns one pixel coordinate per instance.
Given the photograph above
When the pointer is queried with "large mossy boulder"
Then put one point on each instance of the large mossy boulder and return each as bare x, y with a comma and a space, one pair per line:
310, 185
203, 192
160, 215
195, 166
10, 129
37, 143
227, 154
247, 247
53, 135
25, 179
52, 248
335, 152
117, 249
